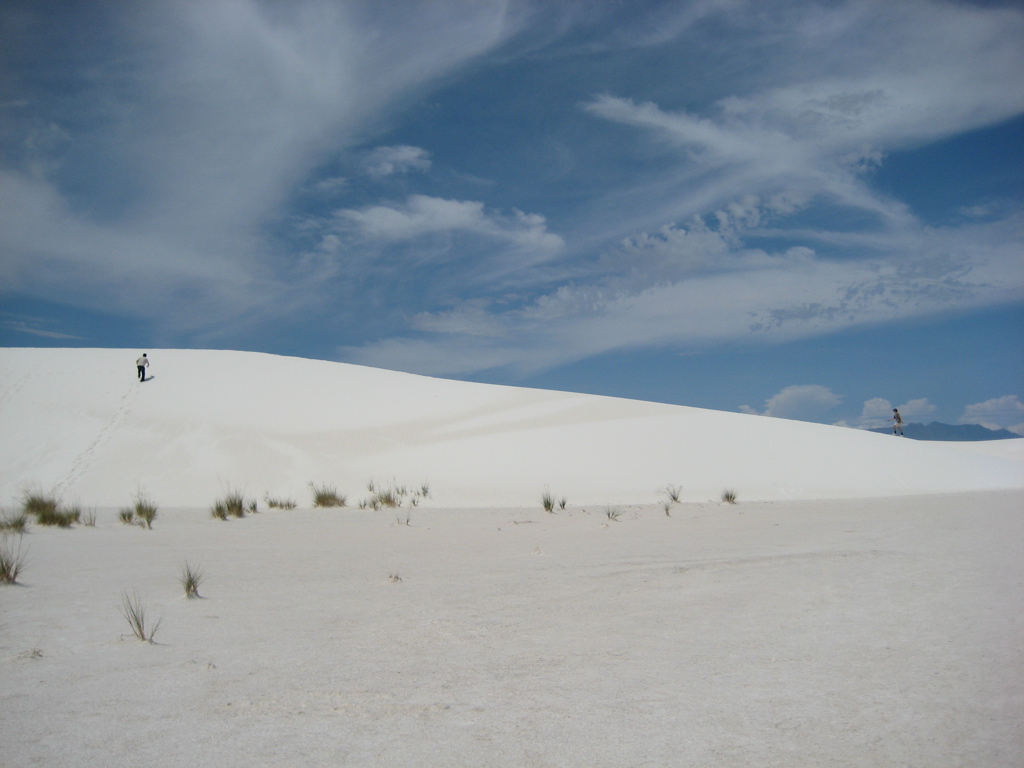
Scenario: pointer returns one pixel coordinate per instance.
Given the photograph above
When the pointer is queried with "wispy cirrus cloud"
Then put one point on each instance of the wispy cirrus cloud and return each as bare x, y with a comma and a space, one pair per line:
31, 328
200, 119
762, 221
693, 287
521, 184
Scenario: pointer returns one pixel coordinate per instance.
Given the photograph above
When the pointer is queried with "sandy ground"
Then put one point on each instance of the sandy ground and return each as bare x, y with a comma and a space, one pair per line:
880, 632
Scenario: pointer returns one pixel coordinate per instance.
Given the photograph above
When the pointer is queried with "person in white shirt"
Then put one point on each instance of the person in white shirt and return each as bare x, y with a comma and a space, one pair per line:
142, 363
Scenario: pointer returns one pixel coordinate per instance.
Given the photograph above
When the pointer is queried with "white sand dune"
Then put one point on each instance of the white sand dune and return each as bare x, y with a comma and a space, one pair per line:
76, 422
860, 606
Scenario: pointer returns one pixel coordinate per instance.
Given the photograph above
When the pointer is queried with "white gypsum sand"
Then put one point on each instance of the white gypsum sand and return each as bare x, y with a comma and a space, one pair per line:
879, 627
78, 424
829, 633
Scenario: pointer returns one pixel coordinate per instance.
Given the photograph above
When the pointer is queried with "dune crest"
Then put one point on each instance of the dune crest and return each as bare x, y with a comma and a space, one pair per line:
78, 422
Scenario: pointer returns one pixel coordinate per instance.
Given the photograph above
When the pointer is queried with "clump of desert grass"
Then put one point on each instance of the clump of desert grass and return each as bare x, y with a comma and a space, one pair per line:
47, 510
190, 579
547, 500
393, 495
277, 503
38, 503
231, 504
13, 523
12, 560
145, 511
672, 497
729, 496
134, 612
613, 513
327, 496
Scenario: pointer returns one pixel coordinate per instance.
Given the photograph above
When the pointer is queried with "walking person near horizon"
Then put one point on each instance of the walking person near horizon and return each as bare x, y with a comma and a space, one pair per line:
142, 364
897, 422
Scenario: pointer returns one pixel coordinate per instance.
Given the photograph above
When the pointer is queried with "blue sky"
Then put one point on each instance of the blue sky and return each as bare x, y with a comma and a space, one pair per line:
804, 209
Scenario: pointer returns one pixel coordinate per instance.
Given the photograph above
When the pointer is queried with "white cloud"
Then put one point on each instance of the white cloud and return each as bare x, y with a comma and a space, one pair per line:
815, 134
918, 408
691, 288
202, 118
387, 161
331, 185
423, 215
805, 402
1006, 412
21, 326
877, 412
199, 119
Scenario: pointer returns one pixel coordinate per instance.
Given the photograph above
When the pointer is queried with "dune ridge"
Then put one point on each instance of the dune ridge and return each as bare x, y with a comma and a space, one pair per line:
77, 422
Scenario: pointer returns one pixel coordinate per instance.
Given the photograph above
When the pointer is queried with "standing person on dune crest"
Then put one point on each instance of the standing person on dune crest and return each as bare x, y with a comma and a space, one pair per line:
897, 421
142, 363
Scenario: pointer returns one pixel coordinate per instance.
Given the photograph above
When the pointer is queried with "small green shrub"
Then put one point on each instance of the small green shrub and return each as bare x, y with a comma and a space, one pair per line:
134, 613
729, 496
613, 513
12, 561
190, 579
126, 515
145, 511
673, 491
326, 496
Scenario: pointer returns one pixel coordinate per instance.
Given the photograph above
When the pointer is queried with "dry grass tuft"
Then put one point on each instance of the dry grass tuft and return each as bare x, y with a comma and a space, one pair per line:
190, 579
327, 496
145, 511
12, 561
47, 510
134, 613
547, 500
17, 523
276, 503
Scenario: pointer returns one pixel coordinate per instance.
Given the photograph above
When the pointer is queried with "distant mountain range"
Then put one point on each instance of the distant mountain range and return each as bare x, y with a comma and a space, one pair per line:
959, 432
